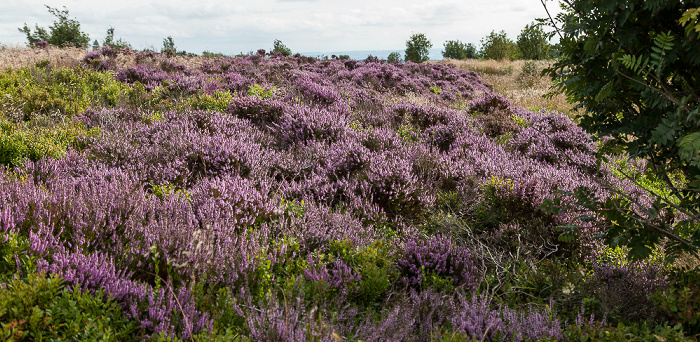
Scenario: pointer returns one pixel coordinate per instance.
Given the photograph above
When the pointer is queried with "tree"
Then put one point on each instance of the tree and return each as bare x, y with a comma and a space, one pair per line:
119, 43
533, 43
417, 48
279, 47
168, 45
497, 46
458, 50
394, 57
635, 69
64, 31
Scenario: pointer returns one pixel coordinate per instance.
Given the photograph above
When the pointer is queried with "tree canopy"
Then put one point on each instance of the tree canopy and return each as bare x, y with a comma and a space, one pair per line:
497, 46
635, 69
418, 48
63, 31
458, 50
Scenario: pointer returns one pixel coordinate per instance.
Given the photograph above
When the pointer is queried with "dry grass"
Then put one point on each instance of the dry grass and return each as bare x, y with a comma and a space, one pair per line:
521, 88
17, 57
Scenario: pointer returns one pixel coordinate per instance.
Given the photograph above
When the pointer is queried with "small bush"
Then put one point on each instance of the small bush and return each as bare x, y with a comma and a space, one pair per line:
438, 263
42, 308
394, 57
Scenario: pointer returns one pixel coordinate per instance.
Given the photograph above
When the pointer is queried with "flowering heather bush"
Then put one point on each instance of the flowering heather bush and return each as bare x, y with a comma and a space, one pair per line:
436, 257
288, 198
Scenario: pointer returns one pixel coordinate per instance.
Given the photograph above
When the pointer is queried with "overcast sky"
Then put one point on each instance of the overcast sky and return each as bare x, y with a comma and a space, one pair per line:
233, 26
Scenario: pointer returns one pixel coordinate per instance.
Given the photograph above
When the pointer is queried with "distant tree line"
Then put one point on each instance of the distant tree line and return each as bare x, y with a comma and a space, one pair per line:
532, 43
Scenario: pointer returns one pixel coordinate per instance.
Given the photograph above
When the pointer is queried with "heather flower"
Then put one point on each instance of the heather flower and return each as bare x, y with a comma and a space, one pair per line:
436, 256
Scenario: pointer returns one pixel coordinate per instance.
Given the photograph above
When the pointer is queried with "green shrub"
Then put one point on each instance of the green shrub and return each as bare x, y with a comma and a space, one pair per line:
374, 264
593, 331
14, 257
418, 48
279, 47
62, 32
260, 91
633, 67
217, 102
533, 43
497, 46
457, 50
394, 57
41, 308
57, 91
20, 141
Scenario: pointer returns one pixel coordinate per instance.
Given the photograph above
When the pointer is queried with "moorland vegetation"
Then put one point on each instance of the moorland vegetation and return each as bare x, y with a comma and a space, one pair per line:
163, 196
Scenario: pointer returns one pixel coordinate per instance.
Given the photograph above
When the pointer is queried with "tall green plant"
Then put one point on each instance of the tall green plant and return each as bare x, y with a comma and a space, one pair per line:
458, 50
497, 46
635, 69
418, 48
533, 43
117, 44
63, 31
279, 47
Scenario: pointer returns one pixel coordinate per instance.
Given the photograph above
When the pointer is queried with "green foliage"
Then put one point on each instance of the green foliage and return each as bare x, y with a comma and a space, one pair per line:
634, 68
20, 141
436, 90
210, 54
394, 57
690, 21
497, 46
118, 44
63, 31
42, 308
168, 46
343, 57
43, 90
533, 43
595, 331
374, 264
216, 102
279, 47
417, 48
15, 257
284, 273
260, 91
682, 306
457, 50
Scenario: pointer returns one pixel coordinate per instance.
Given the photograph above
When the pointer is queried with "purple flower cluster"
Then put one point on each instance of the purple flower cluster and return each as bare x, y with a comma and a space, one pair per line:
418, 316
436, 256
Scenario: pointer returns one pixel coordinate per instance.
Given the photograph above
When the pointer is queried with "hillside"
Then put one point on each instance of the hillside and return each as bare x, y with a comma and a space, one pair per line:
290, 198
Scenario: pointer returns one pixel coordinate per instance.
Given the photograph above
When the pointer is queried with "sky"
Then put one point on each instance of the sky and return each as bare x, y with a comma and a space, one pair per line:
234, 26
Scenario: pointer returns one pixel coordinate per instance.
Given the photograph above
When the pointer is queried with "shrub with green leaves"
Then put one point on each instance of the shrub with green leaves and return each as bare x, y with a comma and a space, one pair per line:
458, 50
279, 47
19, 141
533, 43
63, 31
394, 57
33, 91
417, 48
634, 67
41, 308
497, 46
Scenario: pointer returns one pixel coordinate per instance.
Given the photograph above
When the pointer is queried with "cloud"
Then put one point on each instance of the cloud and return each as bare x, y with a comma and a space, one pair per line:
303, 25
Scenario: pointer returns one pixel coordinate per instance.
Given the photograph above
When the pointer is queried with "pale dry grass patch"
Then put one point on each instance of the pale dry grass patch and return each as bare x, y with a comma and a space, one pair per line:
13, 57
522, 89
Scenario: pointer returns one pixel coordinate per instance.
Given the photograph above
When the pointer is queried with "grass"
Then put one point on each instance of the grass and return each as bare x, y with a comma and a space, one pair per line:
522, 88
